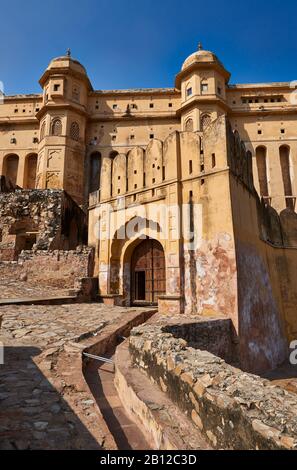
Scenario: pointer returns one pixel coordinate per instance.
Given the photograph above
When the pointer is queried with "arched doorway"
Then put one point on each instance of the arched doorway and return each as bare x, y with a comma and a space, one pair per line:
11, 164
148, 278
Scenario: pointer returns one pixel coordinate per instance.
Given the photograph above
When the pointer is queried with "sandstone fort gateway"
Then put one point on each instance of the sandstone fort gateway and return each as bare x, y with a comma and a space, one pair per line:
177, 200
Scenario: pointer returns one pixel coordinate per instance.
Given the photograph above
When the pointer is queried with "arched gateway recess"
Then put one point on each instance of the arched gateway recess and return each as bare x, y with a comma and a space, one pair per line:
148, 272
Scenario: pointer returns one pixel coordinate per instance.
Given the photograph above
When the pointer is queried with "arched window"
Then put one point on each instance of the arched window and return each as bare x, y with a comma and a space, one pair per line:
95, 170
205, 121
204, 87
42, 131
57, 127
74, 131
189, 90
11, 165
189, 125
261, 153
284, 156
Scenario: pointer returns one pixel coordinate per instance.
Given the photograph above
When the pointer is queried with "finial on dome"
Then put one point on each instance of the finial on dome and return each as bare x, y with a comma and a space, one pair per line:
200, 47
68, 53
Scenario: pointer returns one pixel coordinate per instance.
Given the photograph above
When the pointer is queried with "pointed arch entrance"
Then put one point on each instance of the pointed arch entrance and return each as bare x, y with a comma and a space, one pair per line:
148, 275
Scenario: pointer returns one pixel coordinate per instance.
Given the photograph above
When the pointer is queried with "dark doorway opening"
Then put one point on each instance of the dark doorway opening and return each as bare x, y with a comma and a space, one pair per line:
140, 285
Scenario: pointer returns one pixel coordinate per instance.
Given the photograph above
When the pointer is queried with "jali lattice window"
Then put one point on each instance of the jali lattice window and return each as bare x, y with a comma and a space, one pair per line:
205, 121
57, 127
189, 126
74, 131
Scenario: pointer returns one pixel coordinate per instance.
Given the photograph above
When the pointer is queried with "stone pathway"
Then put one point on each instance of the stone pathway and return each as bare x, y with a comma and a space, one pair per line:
38, 407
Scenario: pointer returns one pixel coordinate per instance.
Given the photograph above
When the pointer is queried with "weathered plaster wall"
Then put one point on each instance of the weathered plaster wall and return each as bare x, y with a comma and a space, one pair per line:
267, 273
210, 268
194, 189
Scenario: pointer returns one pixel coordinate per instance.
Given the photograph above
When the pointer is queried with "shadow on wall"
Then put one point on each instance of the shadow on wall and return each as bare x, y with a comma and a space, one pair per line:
34, 414
6, 186
215, 336
278, 229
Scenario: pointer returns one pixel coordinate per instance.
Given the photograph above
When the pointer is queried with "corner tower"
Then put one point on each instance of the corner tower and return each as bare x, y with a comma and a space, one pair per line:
202, 81
63, 117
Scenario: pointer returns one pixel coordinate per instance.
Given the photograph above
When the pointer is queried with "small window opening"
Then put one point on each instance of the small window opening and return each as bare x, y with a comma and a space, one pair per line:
189, 91
213, 160
190, 167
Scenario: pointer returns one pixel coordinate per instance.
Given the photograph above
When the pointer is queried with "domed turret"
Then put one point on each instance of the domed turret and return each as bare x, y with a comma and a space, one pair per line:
65, 65
202, 81
201, 59
63, 118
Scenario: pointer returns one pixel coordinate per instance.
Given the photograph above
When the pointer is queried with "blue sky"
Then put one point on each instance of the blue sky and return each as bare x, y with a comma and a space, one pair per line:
142, 43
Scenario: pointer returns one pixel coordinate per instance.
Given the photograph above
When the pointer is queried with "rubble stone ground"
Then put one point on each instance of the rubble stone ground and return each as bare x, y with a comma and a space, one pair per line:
33, 410
38, 407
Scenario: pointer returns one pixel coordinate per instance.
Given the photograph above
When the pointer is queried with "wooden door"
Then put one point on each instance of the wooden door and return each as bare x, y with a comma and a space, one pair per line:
148, 272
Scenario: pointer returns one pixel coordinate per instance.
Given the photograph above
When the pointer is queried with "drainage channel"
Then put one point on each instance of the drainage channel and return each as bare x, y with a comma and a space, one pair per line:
98, 370
99, 375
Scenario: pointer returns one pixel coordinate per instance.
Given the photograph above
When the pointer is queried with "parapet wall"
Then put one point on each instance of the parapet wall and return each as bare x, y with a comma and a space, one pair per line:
232, 409
278, 229
266, 260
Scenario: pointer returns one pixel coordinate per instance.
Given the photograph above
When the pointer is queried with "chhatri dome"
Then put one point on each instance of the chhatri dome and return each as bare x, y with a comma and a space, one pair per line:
200, 56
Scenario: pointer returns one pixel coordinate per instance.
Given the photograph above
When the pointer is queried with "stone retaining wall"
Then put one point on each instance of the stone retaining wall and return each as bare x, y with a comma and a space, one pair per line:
51, 268
40, 219
232, 409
